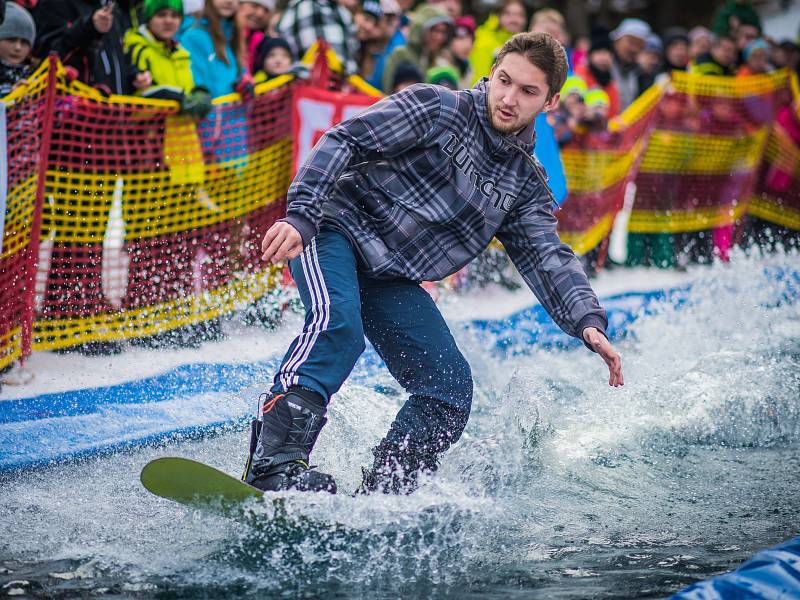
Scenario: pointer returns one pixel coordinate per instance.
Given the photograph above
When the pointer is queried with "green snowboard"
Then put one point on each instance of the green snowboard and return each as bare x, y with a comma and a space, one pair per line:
196, 484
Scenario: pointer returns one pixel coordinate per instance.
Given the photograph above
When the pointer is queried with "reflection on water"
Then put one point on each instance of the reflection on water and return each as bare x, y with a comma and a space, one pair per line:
561, 487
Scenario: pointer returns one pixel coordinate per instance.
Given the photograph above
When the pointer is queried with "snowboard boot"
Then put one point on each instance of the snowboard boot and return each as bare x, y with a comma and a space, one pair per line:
281, 441
397, 467
422, 432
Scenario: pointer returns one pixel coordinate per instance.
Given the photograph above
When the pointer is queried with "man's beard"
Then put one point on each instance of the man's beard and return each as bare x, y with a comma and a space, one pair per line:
507, 128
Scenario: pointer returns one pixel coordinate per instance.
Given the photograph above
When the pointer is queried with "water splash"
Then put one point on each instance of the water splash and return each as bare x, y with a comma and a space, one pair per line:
560, 484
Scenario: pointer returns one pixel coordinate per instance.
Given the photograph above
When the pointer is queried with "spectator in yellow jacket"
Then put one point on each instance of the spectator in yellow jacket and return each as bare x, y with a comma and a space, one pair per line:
495, 31
152, 47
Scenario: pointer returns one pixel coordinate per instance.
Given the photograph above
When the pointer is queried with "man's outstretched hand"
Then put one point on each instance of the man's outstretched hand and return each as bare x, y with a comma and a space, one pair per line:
281, 242
604, 348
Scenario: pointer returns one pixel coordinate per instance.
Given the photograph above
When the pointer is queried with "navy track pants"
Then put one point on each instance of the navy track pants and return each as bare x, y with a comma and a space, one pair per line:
401, 321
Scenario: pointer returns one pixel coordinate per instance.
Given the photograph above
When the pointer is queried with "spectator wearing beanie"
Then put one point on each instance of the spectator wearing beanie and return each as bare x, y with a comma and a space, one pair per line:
732, 14
404, 76
629, 40
428, 41
566, 118
273, 59
394, 38
700, 41
651, 57
444, 76
756, 59
87, 35
17, 35
461, 48
596, 71
152, 47
255, 14
676, 50
370, 34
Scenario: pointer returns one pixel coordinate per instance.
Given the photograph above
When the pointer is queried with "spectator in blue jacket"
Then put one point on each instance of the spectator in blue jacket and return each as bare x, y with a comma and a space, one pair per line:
394, 36
216, 45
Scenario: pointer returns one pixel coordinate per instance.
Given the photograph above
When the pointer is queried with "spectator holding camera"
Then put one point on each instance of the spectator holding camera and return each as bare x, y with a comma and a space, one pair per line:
596, 71
87, 36
567, 118
427, 46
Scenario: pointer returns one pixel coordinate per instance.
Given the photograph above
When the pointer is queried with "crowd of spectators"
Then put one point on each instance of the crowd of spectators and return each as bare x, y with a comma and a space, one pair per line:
196, 50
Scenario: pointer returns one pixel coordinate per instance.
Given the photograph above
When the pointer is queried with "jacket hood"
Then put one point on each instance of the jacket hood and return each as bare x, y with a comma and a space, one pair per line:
502, 143
424, 18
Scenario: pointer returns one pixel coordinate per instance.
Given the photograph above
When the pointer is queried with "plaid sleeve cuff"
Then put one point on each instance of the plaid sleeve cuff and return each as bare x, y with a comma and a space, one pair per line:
592, 320
306, 228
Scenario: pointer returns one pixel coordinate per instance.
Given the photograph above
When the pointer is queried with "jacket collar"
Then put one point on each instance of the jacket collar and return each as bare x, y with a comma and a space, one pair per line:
171, 45
500, 143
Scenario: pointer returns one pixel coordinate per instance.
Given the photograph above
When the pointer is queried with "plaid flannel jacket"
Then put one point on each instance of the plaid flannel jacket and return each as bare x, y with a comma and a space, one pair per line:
305, 21
421, 182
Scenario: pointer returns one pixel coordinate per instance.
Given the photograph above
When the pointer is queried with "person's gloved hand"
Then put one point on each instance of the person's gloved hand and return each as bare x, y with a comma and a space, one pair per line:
246, 87
300, 71
197, 103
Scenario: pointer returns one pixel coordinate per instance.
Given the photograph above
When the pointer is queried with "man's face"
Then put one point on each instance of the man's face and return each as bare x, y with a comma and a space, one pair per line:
517, 94
628, 48
552, 27
512, 19
388, 25
724, 52
649, 61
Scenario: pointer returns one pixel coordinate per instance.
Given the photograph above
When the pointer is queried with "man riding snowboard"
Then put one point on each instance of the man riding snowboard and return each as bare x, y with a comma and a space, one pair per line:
410, 190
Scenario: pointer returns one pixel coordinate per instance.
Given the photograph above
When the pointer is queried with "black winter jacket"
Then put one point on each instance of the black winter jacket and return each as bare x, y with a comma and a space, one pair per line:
65, 27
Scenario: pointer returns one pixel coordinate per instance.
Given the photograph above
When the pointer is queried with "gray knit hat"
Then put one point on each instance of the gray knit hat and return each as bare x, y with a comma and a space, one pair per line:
18, 24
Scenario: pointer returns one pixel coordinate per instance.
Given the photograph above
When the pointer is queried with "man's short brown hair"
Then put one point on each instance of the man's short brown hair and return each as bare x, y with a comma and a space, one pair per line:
543, 51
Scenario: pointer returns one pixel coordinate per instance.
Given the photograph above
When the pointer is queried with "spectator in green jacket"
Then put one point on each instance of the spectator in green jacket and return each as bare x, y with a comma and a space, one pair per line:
152, 47
721, 60
496, 31
428, 39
